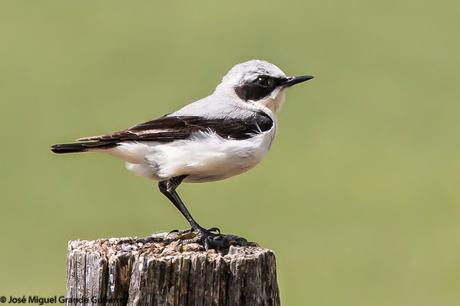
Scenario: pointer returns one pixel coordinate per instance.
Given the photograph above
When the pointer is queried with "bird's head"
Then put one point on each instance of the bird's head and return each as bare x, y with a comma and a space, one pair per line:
260, 82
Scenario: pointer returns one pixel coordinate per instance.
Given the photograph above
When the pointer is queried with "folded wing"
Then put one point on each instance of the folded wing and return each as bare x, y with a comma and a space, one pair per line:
171, 128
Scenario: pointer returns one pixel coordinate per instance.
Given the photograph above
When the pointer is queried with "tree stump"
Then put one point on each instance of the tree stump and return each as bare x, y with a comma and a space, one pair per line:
124, 271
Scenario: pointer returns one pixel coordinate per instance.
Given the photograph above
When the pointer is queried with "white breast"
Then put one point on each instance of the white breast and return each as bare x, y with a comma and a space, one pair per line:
204, 157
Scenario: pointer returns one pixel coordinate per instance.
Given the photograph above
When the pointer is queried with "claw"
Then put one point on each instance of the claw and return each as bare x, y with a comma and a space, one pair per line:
209, 238
219, 241
214, 229
172, 232
180, 234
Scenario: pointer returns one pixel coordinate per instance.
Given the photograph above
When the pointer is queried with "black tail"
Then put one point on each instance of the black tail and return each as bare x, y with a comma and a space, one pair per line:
81, 146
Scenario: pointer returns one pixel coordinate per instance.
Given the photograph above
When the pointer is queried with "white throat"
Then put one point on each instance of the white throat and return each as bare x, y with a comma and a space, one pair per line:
275, 101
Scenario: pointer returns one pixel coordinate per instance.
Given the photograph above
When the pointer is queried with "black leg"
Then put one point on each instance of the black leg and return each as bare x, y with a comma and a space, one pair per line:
203, 236
168, 188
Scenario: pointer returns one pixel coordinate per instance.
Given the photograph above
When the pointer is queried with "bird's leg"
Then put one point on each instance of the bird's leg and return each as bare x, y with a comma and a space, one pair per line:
168, 188
211, 239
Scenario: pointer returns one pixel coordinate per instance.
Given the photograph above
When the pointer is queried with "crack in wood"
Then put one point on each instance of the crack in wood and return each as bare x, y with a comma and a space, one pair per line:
121, 271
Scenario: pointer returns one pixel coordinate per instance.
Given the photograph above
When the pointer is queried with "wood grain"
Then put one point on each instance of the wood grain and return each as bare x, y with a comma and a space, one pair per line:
124, 271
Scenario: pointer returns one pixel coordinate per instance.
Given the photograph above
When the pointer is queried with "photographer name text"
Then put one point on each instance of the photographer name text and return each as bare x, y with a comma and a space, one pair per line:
56, 299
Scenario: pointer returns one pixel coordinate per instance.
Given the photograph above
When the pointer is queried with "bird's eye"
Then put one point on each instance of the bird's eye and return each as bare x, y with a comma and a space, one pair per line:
265, 81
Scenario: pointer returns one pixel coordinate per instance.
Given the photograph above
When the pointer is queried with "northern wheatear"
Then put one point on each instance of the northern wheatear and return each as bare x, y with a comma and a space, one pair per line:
219, 136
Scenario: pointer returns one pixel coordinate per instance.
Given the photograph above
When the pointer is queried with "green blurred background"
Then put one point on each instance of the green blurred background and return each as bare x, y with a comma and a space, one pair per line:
359, 196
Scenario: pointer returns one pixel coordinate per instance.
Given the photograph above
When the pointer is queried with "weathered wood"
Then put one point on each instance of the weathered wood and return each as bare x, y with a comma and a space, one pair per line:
123, 271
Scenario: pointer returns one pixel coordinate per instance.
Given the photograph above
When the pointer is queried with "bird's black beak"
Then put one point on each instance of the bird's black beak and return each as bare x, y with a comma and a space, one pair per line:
289, 81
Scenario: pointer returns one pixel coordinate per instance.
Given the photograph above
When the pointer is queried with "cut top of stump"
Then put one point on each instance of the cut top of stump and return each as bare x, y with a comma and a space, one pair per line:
124, 271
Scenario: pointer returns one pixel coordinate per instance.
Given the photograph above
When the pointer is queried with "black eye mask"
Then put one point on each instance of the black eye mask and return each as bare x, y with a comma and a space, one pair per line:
259, 88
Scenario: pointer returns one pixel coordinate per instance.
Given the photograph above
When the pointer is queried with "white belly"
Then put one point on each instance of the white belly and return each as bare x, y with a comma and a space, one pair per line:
203, 158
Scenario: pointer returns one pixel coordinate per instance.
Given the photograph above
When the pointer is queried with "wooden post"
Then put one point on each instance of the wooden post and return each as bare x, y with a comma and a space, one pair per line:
123, 271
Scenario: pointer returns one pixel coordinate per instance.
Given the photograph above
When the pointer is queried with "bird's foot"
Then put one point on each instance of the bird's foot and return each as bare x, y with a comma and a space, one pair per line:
180, 234
189, 234
206, 238
213, 239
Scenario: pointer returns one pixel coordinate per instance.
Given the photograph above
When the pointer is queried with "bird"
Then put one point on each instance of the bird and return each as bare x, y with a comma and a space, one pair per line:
214, 138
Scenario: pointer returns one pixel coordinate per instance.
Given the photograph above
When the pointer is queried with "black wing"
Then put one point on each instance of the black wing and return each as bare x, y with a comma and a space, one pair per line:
170, 128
